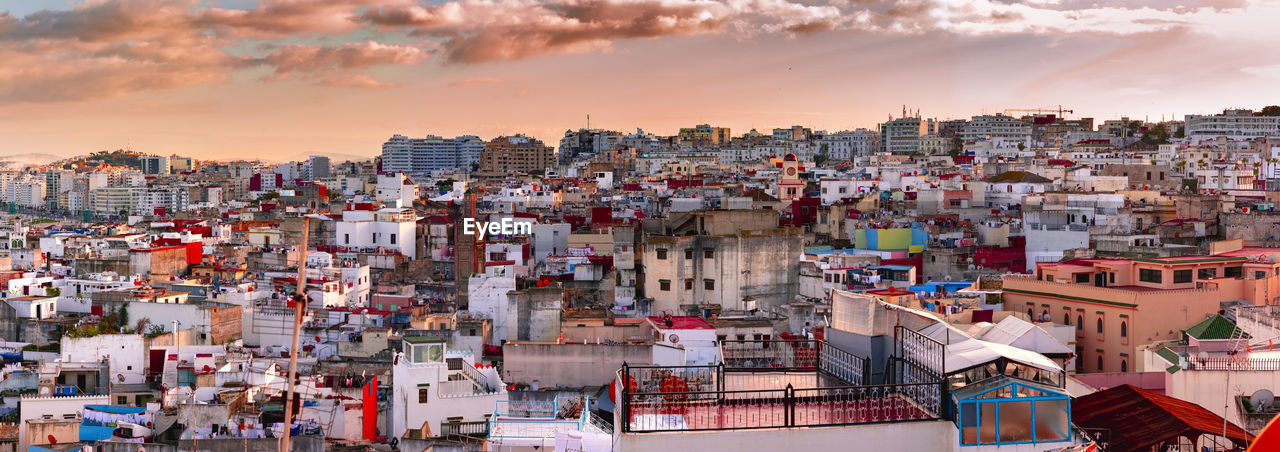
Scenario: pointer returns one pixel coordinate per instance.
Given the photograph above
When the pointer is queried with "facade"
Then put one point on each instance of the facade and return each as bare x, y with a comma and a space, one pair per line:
516, 154
424, 155
386, 230
1232, 124
433, 387
1117, 305
988, 127
154, 165
902, 135
705, 134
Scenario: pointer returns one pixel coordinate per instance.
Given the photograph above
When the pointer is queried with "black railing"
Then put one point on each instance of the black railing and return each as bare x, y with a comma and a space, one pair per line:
794, 355
780, 408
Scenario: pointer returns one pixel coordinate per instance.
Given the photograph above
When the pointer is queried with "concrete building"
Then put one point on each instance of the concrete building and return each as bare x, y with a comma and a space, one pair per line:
1236, 124
417, 156
516, 154
704, 135
154, 164
387, 229
902, 135
432, 387
1118, 305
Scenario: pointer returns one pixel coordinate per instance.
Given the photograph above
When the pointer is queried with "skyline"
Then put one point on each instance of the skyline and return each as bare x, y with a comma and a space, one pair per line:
282, 79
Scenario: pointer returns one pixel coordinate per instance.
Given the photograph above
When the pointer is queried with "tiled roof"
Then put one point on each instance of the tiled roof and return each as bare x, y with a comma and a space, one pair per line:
1139, 419
1216, 327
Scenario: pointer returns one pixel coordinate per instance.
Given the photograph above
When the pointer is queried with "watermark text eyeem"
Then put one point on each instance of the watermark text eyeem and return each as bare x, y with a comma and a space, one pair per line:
505, 227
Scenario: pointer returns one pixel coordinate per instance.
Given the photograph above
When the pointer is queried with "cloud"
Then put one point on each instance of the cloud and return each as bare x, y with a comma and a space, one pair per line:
107, 48
311, 60
476, 81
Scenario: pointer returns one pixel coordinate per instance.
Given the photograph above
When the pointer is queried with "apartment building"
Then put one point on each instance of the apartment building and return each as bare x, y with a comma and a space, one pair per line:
516, 154
423, 155
1118, 305
902, 135
1233, 124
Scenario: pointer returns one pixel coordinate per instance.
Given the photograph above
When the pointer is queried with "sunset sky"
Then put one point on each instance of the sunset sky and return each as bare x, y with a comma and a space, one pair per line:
281, 79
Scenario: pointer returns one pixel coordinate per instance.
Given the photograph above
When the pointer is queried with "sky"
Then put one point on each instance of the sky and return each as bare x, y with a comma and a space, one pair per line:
281, 79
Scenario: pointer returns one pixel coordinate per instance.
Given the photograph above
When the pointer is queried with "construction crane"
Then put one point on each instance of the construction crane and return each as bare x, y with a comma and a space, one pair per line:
1035, 111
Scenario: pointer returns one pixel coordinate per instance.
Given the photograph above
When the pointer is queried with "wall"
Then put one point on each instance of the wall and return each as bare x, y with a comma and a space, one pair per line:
569, 365
296, 444
933, 436
124, 351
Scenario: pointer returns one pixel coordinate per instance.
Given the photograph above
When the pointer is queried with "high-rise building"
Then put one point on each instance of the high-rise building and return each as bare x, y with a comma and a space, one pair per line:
155, 165
1234, 124
402, 154
997, 127
516, 154
317, 167
902, 135
585, 141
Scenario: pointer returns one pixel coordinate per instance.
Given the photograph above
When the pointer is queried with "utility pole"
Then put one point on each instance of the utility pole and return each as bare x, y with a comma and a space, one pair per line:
300, 309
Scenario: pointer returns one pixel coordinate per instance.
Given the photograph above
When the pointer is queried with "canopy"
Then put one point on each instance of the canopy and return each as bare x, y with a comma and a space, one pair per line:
1024, 335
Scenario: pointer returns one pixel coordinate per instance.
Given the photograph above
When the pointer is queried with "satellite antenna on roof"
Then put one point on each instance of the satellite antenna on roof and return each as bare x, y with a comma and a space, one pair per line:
1262, 400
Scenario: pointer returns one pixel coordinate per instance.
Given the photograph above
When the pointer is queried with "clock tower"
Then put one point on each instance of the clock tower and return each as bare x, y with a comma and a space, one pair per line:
790, 186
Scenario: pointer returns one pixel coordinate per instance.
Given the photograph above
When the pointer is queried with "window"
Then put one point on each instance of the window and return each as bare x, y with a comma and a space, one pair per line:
1259, 275
688, 284
709, 284
1048, 278
1082, 277
346, 238
1124, 329
708, 253
1079, 323
1124, 366
664, 285
422, 395
1066, 318
1099, 369
1181, 276
662, 253
688, 254
122, 400
393, 239
1207, 273
1099, 325
1150, 275
1232, 272
1112, 277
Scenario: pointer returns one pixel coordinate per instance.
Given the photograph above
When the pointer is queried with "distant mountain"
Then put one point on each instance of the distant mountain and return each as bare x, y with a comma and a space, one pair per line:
30, 159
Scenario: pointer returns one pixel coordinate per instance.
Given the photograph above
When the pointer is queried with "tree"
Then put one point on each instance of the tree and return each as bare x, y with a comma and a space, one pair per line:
1270, 110
821, 158
1157, 134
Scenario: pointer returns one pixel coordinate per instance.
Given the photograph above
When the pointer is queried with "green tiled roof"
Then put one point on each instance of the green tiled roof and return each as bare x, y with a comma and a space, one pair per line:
1168, 355
1216, 327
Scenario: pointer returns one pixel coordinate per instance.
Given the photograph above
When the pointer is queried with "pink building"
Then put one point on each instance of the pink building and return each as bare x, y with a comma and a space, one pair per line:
1117, 305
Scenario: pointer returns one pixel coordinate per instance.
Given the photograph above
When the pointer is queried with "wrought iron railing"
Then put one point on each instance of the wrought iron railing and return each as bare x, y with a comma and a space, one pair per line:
794, 355
780, 408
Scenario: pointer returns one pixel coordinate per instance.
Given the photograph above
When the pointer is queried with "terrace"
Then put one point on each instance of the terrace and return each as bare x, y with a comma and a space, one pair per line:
780, 384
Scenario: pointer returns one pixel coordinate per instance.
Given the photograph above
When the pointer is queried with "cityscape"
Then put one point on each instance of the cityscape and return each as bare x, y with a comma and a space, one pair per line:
639, 225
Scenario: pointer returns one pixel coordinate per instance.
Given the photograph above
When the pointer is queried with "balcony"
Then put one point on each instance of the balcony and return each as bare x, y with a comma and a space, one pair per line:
773, 384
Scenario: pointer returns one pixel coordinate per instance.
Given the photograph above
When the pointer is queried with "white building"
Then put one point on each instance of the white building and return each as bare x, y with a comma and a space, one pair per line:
432, 386
1233, 124
902, 135
392, 229
422, 155
846, 145
996, 126
27, 191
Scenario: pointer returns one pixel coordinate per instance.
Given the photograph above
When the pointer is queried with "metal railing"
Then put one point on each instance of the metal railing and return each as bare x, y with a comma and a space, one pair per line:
781, 408
1233, 363
794, 355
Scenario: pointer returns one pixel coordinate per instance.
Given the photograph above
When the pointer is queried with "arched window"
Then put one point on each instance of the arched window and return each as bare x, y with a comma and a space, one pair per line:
1124, 366
1124, 329
1099, 326
1066, 318
1080, 323
1099, 369
1029, 314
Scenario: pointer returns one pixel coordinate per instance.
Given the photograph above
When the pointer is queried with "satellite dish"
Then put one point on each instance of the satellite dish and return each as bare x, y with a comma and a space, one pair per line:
1262, 400
120, 377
